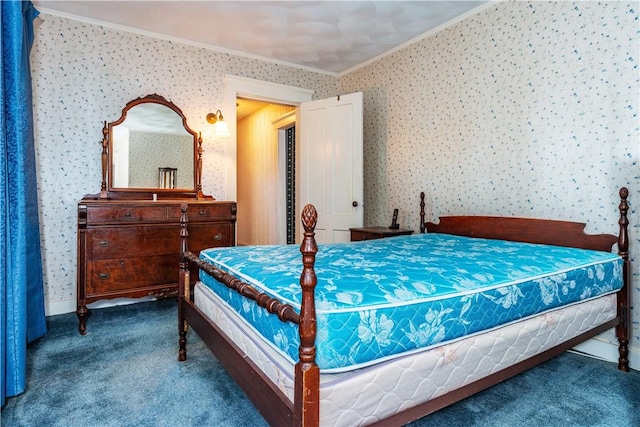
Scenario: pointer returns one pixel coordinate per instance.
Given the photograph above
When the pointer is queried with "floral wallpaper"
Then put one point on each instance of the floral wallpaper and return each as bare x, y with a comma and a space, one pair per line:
83, 75
525, 109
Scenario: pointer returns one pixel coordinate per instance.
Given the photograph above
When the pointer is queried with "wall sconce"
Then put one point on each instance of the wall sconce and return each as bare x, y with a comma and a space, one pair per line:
220, 129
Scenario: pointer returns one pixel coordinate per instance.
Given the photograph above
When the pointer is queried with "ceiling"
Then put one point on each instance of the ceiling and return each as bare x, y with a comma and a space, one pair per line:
246, 107
331, 37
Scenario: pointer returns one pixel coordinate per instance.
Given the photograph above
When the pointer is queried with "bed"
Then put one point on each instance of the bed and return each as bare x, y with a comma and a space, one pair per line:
329, 341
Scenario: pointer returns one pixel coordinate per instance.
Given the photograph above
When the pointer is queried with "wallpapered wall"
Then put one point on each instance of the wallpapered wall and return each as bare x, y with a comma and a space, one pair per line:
84, 74
527, 109
524, 109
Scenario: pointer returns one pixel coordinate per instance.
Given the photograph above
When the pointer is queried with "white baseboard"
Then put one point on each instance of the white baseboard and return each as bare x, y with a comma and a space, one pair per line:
604, 350
52, 308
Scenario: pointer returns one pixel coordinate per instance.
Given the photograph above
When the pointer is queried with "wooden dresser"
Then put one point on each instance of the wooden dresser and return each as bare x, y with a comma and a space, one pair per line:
131, 248
129, 233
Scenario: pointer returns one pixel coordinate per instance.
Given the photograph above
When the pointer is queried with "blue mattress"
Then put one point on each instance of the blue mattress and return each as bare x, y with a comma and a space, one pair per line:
381, 298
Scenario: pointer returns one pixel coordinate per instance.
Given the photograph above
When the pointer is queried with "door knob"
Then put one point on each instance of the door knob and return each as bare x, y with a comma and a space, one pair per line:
354, 204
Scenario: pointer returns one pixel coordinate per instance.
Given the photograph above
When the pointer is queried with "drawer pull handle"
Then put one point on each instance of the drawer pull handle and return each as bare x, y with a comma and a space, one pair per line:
127, 214
103, 243
217, 237
103, 276
201, 212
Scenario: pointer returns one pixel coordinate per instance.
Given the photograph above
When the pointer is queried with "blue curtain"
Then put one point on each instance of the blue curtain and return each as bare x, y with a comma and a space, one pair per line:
22, 319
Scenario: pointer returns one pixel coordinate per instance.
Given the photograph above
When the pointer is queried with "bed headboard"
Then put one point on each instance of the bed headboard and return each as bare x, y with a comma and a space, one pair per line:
544, 231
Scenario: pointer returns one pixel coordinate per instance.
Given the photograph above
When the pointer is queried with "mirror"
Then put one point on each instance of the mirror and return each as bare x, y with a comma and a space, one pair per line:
149, 141
151, 149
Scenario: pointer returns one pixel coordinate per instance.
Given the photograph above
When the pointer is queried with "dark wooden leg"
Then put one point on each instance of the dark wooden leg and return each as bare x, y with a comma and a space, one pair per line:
623, 361
182, 340
83, 313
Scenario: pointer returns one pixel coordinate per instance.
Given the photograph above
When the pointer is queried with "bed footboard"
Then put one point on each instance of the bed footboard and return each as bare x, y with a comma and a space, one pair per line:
273, 405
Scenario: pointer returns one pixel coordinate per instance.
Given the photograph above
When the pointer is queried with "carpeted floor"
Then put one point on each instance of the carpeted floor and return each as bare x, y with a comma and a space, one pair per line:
125, 372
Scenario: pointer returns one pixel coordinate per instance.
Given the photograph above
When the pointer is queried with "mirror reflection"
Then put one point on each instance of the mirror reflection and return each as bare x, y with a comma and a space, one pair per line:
152, 149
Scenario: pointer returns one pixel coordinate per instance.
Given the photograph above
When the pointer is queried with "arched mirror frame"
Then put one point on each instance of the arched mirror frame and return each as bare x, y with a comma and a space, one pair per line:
107, 191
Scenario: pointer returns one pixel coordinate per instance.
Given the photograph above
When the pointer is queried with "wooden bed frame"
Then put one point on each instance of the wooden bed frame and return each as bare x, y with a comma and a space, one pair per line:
276, 408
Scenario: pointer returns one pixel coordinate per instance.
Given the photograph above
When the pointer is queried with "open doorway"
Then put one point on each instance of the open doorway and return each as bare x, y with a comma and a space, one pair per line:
273, 94
265, 172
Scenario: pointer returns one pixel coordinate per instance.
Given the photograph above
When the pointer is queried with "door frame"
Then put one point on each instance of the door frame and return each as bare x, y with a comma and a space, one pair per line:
244, 87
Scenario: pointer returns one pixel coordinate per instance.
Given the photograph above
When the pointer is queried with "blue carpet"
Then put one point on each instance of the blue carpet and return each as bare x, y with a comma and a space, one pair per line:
125, 372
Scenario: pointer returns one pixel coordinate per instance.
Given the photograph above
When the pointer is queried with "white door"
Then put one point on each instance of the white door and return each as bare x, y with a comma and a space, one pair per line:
331, 164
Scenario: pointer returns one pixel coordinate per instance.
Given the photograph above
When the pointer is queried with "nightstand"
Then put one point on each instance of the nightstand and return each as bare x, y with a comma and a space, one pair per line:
370, 233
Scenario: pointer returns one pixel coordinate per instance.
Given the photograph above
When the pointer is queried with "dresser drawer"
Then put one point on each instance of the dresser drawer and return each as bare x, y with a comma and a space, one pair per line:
202, 236
133, 241
115, 275
142, 241
124, 214
201, 212
357, 236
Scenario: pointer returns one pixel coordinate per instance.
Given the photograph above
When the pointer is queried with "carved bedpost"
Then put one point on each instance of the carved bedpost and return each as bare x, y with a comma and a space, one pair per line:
623, 330
422, 226
199, 168
105, 144
183, 284
307, 374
